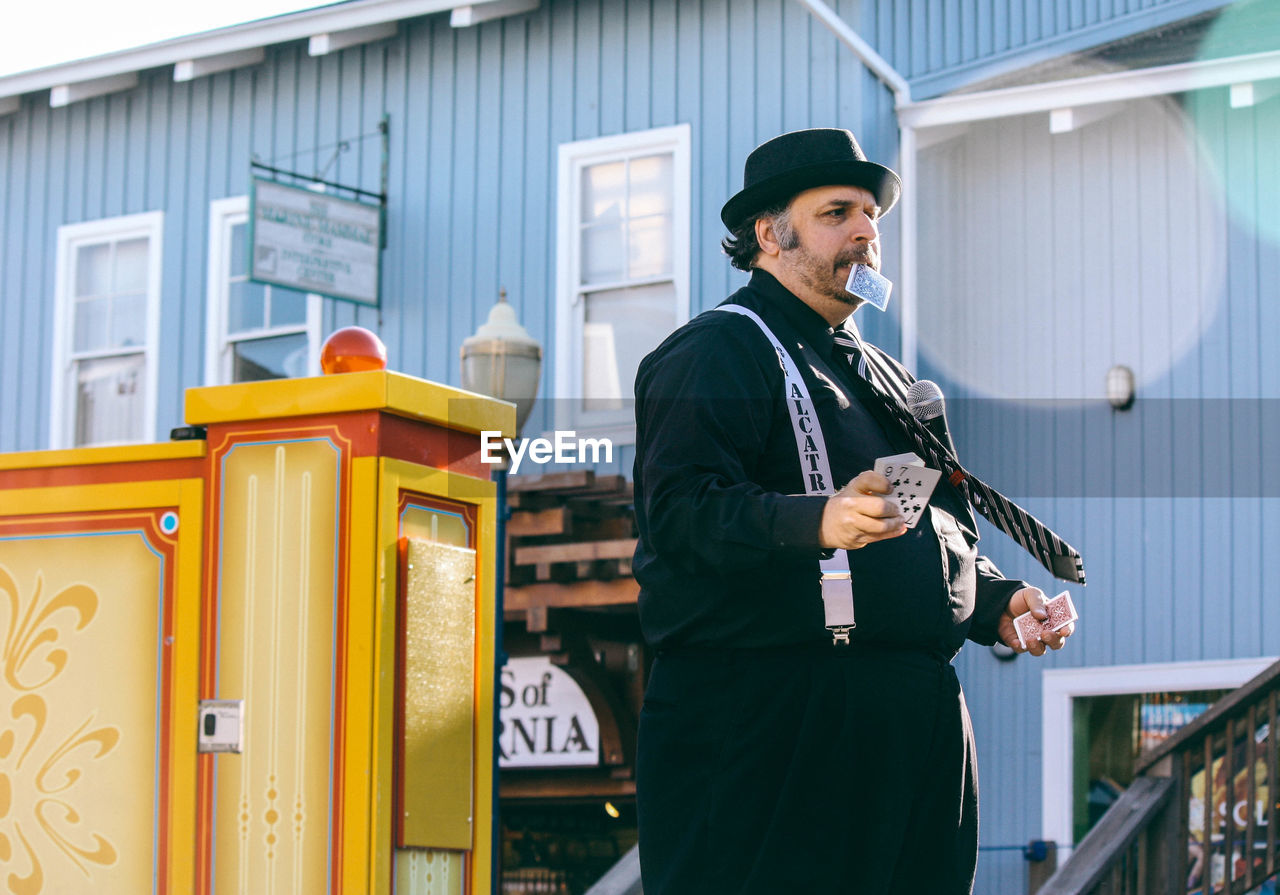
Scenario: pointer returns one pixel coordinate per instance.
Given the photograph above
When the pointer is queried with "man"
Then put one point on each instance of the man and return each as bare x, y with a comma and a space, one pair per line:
773, 756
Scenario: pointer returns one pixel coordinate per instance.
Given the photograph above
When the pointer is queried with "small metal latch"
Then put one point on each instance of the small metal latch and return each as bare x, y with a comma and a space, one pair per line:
840, 635
221, 725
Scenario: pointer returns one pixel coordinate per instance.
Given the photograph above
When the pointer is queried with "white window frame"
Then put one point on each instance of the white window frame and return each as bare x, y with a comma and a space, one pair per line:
62, 404
573, 157
1059, 686
223, 215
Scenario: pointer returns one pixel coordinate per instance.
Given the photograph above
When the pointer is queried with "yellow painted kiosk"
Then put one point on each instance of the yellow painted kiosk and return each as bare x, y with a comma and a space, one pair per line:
260, 660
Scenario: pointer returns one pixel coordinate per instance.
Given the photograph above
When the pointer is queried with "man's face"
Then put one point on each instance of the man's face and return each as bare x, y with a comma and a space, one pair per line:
835, 228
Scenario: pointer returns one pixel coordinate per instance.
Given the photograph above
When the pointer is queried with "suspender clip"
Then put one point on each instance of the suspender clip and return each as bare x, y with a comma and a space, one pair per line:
837, 604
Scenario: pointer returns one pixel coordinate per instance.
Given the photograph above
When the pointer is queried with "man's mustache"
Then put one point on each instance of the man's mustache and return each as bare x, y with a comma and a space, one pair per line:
855, 256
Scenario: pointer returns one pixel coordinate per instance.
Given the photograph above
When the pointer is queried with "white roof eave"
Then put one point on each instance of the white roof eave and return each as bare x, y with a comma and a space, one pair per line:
262, 33
1104, 88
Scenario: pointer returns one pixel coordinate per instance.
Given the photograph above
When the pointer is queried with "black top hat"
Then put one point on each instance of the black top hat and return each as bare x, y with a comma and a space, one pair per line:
780, 168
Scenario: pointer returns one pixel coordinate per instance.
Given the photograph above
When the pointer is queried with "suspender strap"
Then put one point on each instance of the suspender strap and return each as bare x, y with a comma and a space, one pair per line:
837, 582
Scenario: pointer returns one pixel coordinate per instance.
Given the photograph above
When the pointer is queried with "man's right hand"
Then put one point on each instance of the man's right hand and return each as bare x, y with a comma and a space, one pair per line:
860, 515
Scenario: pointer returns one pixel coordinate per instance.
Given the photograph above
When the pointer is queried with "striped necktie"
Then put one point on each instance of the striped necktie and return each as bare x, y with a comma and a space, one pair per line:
1059, 557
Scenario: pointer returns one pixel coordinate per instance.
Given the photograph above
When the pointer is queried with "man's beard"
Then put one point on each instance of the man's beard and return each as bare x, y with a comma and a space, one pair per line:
823, 277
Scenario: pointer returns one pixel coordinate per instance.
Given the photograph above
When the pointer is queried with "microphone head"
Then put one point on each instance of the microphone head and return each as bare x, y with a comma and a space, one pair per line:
924, 400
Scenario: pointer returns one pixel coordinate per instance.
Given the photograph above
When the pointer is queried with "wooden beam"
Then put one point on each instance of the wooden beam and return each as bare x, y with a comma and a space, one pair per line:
190, 69
582, 478
333, 41
1071, 118
617, 724
1237, 699
581, 483
1105, 844
515, 785
554, 521
602, 506
618, 592
620, 526
535, 617
475, 13
66, 94
1250, 93
578, 551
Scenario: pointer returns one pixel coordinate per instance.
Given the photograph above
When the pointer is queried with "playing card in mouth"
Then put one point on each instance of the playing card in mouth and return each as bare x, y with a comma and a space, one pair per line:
869, 285
1062, 612
912, 484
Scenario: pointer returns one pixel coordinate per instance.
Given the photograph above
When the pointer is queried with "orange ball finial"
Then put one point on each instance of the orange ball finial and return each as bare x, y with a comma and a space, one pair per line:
352, 349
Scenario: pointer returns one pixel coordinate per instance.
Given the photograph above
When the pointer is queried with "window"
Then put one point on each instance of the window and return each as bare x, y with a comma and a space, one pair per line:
1109, 733
1094, 718
254, 331
623, 269
106, 324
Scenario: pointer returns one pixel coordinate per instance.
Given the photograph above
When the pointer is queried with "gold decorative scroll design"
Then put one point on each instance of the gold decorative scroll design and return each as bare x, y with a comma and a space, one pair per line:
276, 602
439, 695
428, 871
79, 630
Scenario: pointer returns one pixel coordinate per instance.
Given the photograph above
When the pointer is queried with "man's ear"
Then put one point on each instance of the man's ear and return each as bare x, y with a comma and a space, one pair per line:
766, 238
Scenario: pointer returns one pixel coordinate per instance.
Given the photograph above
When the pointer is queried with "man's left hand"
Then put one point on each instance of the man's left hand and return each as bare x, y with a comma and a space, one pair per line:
1030, 599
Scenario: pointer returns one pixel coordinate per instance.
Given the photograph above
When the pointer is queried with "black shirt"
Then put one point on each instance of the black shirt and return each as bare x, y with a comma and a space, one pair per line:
728, 551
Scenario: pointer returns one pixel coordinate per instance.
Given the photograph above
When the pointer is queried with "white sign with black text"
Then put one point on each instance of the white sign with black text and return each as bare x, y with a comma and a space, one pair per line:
545, 720
314, 242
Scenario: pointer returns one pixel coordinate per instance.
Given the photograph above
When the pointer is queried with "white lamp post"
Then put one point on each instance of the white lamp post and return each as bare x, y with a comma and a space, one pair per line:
503, 361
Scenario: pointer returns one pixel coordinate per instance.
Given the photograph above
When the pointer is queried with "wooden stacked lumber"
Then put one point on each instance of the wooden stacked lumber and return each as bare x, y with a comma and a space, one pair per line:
570, 539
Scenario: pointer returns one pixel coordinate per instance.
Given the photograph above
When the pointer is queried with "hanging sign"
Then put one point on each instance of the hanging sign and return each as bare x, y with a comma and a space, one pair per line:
314, 242
545, 718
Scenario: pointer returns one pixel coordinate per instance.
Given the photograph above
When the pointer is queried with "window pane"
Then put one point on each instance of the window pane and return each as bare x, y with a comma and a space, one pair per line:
604, 193
246, 307
110, 399
602, 258
90, 327
287, 306
601, 377
128, 321
1110, 732
274, 358
651, 185
649, 246
93, 269
621, 327
239, 250
131, 265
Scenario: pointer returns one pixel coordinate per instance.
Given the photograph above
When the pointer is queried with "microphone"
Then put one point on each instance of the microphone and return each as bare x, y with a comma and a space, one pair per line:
924, 400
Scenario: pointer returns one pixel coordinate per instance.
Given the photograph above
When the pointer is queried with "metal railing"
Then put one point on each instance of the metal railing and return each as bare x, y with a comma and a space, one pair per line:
1200, 817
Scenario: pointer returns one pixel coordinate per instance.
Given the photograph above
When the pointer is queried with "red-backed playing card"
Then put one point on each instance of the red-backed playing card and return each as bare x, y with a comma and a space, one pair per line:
1062, 612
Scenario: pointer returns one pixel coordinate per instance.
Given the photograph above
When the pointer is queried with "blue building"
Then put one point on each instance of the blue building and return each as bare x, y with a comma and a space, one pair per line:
1092, 196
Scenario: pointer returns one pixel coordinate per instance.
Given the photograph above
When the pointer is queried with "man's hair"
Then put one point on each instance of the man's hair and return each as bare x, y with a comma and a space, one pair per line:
741, 245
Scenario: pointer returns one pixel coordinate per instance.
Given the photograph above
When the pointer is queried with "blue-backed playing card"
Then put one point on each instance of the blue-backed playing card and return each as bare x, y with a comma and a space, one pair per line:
869, 286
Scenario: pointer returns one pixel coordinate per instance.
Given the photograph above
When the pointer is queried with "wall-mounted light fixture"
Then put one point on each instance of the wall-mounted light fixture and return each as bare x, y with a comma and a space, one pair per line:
1120, 387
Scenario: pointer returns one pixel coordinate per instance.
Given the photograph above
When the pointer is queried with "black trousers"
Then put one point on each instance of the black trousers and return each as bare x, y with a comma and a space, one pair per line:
806, 771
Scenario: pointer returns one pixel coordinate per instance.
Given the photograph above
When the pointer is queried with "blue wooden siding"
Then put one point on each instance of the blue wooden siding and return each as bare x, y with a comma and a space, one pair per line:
940, 45
476, 117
